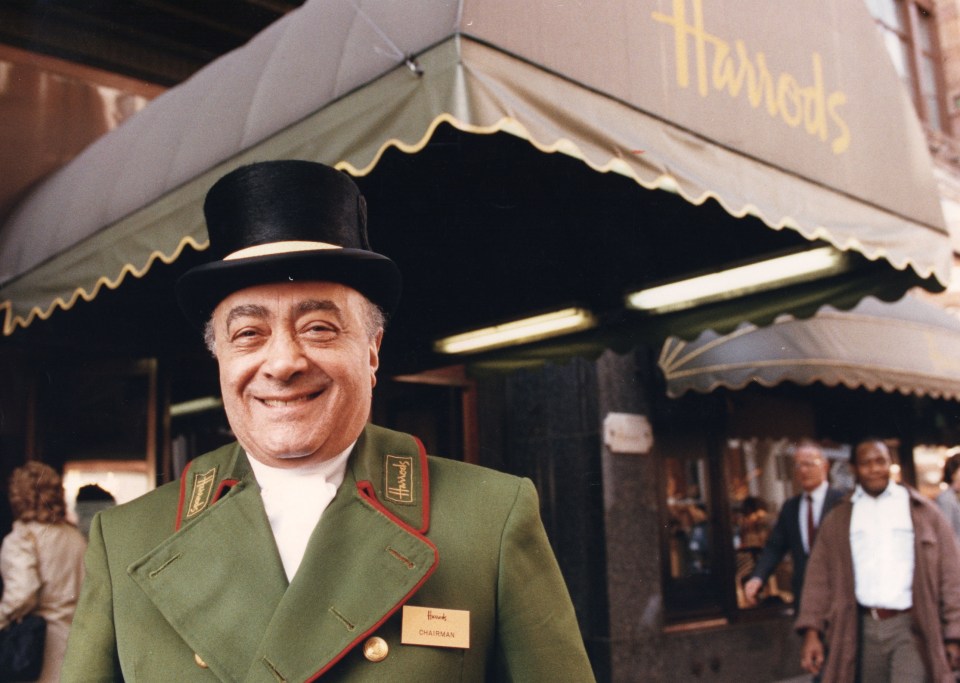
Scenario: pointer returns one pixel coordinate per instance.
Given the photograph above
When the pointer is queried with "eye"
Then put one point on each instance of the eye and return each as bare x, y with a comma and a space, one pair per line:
245, 336
319, 330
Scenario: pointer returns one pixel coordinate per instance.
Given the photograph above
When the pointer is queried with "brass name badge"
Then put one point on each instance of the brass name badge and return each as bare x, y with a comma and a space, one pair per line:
435, 626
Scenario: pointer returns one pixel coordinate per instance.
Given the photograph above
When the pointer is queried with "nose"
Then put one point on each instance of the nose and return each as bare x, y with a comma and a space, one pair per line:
285, 358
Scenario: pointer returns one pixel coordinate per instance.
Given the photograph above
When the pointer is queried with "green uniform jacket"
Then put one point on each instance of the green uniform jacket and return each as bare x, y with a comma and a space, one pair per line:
185, 583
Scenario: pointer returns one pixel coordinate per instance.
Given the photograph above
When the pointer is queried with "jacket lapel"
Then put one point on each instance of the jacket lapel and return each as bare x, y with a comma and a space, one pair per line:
392, 467
218, 580
220, 584
364, 561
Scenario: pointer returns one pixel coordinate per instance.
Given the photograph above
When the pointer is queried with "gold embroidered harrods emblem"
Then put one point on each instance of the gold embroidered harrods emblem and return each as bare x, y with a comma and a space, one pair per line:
202, 491
399, 479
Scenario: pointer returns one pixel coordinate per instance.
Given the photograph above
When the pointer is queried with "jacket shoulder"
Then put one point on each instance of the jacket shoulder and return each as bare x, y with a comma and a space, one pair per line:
468, 472
415, 486
926, 505
464, 487
840, 510
220, 458
160, 508
385, 441
833, 497
443, 471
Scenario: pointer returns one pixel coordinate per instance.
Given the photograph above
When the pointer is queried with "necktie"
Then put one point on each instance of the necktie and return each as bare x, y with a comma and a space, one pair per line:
811, 527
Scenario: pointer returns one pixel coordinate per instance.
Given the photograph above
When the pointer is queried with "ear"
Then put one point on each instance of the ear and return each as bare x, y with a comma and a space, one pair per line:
375, 356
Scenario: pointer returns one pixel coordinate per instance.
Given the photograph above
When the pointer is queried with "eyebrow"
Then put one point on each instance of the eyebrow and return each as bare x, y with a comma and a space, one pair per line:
309, 305
305, 306
245, 311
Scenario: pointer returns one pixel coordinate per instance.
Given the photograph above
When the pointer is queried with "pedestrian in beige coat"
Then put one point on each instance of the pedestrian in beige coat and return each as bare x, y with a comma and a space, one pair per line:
41, 561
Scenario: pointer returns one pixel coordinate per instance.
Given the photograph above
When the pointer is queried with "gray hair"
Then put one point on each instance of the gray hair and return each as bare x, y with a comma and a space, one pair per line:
374, 321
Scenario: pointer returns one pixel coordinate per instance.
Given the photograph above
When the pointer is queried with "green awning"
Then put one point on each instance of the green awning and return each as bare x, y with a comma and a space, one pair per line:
909, 346
792, 115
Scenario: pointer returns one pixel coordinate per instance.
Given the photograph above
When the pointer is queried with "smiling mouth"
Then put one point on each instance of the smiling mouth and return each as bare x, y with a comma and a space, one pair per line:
278, 403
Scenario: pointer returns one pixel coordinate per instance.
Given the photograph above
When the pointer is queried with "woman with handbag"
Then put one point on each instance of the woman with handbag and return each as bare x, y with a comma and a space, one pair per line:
41, 561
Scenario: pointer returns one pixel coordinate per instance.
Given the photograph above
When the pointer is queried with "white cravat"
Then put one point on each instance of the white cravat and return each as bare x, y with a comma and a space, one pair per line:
294, 500
881, 543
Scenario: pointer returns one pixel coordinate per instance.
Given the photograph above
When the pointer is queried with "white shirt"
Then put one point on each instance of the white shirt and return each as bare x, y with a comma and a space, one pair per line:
881, 542
819, 495
294, 499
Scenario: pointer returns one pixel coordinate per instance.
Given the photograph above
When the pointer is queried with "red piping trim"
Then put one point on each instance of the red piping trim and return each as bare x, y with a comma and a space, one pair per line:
365, 489
223, 488
424, 487
183, 495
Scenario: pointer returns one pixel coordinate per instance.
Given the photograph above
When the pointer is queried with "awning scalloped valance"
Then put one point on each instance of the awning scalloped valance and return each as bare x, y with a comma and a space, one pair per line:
908, 346
630, 105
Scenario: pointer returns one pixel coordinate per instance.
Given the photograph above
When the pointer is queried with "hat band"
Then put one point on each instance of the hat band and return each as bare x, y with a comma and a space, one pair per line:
284, 247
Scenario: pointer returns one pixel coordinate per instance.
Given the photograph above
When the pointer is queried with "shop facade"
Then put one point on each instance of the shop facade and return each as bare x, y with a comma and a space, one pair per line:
510, 173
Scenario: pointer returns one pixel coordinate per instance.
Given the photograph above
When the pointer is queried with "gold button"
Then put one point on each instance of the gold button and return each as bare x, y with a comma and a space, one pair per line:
199, 660
376, 649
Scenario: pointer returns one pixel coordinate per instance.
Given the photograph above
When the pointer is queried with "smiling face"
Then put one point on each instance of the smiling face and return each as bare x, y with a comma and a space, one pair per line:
297, 369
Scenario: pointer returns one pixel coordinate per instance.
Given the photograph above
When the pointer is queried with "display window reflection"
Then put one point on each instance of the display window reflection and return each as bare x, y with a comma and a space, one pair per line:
693, 541
761, 475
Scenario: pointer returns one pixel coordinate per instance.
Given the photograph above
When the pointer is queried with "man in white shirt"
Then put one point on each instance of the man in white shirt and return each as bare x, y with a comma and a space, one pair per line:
882, 589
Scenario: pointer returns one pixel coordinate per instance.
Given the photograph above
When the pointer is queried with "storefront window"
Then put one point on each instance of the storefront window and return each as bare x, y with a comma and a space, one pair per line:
721, 506
726, 468
695, 549
688, 504
759, 476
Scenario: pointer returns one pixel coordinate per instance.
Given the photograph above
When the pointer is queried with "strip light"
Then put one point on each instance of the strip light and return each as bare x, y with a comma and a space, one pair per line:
522, 331
197, 405
740, 281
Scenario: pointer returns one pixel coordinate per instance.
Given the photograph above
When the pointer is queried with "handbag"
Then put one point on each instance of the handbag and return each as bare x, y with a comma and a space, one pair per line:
21, 649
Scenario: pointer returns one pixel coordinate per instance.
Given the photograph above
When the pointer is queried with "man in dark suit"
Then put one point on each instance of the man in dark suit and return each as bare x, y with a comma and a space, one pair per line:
799, 519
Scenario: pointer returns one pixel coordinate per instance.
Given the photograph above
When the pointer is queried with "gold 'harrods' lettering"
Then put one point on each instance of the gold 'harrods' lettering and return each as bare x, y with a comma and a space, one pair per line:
202, 489
784, 97
399, 486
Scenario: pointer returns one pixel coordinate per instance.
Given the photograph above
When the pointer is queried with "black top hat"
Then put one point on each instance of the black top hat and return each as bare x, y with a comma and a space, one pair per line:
283, 221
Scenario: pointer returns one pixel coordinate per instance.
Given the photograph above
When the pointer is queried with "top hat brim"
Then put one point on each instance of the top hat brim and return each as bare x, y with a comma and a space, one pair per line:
200, 289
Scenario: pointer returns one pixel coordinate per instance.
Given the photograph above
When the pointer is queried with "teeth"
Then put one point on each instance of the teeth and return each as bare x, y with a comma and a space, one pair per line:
273, 403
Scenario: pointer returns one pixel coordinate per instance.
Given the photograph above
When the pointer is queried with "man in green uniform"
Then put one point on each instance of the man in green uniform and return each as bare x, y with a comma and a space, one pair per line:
317, 546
